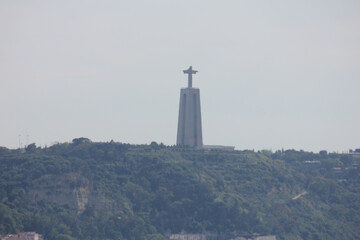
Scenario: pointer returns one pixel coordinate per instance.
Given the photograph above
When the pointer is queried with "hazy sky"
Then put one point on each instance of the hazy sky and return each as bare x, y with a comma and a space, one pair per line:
272, 74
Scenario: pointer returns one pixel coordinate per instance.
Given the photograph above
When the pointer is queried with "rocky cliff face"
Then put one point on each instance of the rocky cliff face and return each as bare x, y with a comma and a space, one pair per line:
71, 189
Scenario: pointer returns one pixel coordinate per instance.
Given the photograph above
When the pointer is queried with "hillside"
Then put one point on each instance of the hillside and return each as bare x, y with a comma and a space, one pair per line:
85, 190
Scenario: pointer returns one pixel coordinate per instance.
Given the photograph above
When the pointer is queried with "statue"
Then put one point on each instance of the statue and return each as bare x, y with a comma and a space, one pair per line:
190, 72
189, 123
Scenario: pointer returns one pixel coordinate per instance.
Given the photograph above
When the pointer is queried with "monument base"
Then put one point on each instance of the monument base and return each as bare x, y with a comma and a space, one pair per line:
189, 125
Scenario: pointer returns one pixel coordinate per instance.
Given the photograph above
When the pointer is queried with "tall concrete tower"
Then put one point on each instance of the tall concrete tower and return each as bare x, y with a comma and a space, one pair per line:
189, 124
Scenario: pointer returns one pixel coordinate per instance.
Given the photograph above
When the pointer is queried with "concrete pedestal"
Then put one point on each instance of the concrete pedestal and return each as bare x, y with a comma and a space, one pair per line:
189, 124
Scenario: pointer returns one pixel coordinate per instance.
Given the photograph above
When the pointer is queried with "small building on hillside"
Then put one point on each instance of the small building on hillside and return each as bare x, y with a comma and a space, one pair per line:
184, 236
23, 236
219, 148
256, 238
207, 236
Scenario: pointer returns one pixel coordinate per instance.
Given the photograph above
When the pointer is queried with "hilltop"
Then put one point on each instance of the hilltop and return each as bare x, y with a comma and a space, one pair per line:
86, 190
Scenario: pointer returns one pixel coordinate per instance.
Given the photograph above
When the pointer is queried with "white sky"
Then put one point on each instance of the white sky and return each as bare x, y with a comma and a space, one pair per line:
272, 74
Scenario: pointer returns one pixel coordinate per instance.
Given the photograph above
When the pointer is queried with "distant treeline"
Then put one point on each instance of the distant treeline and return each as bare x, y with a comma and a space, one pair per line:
90, 190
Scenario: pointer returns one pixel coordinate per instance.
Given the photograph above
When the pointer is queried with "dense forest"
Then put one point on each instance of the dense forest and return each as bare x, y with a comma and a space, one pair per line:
86, 190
